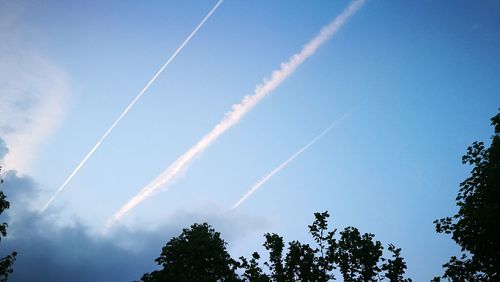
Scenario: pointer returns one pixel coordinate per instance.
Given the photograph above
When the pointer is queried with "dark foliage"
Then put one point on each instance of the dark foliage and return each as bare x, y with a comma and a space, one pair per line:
476, 226
274, 244
395, 266
198, 254
7, 261
252, 270
358, 257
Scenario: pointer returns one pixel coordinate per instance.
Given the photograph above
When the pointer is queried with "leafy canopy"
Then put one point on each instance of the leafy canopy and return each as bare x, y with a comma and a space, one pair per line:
199, 254
476, 225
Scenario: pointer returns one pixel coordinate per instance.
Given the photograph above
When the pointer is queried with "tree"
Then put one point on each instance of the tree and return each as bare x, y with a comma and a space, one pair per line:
327, 245
7, 261
476, 225
274, 244
198, 254
300, 263
253, 272
395, 267
357, 256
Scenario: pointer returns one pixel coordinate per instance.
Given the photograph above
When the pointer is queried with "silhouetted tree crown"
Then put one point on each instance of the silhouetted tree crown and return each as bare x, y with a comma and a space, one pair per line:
476, 225
199, 254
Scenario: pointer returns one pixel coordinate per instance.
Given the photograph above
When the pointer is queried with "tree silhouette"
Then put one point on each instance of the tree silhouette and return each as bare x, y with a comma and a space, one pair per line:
395, 267
300, 263
274, 244
198, 254
476, 225
327, 245
7, 261
357, 257
252, 271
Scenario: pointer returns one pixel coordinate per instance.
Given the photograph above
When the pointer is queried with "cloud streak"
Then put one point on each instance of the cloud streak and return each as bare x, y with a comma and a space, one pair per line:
238, 111
268, 176
127, 109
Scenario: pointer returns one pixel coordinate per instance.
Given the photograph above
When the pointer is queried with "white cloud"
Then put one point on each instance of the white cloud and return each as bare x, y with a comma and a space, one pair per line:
49, 251
33, 96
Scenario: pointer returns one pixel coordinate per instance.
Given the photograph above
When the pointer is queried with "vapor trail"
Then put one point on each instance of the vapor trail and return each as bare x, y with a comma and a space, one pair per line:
277, 169
91, 152
239, 110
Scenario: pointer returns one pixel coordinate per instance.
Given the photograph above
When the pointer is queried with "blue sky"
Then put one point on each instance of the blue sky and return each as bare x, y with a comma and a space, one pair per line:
421, 76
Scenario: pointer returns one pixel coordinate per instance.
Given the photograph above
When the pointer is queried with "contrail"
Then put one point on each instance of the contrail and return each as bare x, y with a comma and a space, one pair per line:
239, 110
172, 57
264, 179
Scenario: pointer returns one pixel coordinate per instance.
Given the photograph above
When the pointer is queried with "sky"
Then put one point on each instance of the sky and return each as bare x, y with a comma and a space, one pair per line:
418, 81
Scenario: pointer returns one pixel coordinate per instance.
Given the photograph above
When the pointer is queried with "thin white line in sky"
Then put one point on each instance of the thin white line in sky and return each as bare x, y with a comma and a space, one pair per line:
91, 152
238, 111
277, 169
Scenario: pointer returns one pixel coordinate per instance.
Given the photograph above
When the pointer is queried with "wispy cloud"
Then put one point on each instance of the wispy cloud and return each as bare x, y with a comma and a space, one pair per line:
33, 98
277, 169
47, 249
127, 109
239, 111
